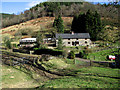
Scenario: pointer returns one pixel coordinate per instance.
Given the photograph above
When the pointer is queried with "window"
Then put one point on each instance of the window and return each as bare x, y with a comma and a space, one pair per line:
68, 38
85, 38
73, 43
68, 42
76, 38
86, 42
76, 42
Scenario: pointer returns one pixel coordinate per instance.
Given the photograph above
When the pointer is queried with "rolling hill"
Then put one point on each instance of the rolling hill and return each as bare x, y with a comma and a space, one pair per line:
65, 9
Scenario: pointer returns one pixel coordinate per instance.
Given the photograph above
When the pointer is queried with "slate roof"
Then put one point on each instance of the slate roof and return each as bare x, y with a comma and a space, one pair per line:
73, 36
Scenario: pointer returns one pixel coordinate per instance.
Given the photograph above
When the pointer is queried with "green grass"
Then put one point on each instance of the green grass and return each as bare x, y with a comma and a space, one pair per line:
99, 78
100, 71
13, 78
79, 62
82, 82
56, 63
69, 61
102, 55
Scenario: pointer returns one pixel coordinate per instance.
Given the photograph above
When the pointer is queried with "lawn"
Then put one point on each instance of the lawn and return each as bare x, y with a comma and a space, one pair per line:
102, 55
92, 77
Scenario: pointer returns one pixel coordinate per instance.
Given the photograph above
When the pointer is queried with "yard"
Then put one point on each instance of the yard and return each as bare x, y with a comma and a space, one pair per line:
90, 77
102, 55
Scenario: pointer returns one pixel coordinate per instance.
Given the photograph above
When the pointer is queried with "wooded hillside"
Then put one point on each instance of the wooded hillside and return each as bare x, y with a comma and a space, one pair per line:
109, 13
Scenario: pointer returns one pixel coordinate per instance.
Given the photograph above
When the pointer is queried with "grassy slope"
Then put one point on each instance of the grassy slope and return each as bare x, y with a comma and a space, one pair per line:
13, 78
44, 23
92, 77
101, 55
85, 77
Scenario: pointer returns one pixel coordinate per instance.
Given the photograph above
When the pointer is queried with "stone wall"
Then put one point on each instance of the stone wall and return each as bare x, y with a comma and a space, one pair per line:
75, 42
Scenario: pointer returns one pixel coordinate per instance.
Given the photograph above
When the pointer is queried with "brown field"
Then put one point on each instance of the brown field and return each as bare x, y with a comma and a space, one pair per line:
36, 24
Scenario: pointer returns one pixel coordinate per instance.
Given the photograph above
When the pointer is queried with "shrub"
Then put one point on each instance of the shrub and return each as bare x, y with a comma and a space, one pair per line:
71, 55
40, 41
7, 42
84, 53
45, 57
14, 45
65, 53
81, 54
24, 51
40, 51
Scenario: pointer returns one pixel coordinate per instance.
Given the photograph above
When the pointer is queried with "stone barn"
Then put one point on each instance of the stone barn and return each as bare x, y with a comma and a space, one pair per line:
74, 39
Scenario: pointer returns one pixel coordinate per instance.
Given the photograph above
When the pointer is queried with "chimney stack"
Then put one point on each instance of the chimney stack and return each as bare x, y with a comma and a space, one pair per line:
72, 32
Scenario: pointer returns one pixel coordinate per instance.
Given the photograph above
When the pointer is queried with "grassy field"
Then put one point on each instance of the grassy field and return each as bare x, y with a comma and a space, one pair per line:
73, 76
13, 78
92, 77
83, 77
102, 55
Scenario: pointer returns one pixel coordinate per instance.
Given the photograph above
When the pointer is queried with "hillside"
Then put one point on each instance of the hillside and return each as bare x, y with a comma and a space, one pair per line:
5, 15
66, 9
44, 23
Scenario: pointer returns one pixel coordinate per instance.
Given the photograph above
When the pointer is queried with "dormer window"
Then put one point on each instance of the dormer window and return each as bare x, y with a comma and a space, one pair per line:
68, 38
85, 38
76, 38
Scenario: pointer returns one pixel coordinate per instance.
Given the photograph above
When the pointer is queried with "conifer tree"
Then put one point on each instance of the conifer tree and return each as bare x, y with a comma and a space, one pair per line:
58, 23
40, 42
74, 26
87, 23
60, 44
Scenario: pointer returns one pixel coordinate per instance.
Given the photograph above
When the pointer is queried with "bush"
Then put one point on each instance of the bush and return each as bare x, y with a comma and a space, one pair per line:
24, 51
7, 42
71, 55
84, 53
40, 51
81, 54
14, 45
65, 53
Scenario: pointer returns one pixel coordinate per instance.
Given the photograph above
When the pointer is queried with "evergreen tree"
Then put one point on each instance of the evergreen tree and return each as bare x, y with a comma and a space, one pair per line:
74, 26
40, 42
81, 22
78, 24
97, 25
87, 23
55, 22
58, 23
60, 44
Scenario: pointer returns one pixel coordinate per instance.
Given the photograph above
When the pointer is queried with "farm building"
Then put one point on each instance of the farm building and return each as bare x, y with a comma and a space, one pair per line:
27, 42
74, 39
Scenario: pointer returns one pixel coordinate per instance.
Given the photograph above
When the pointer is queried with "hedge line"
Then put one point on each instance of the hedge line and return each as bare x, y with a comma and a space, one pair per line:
40, 51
